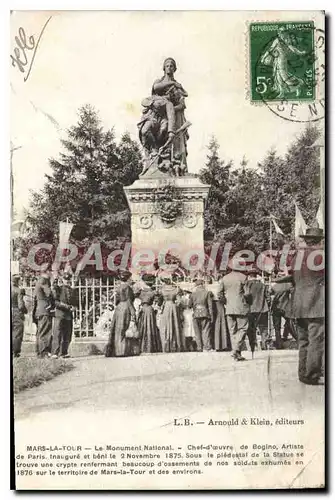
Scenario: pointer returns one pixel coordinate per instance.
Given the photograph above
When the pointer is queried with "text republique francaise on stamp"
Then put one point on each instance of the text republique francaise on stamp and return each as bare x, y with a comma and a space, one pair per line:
287, 69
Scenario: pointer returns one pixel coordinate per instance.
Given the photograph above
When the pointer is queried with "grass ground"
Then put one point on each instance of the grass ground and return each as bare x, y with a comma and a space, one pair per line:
78, 348
30, 372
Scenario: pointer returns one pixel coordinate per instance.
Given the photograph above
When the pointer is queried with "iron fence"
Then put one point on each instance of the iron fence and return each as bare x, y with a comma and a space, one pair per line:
96, 299
96, 302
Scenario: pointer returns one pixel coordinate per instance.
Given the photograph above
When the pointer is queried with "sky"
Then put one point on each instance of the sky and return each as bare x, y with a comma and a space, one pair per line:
110, 60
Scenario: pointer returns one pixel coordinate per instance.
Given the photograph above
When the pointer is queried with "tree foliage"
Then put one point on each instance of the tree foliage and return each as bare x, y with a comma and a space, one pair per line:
86, 183
217, 174
242, 198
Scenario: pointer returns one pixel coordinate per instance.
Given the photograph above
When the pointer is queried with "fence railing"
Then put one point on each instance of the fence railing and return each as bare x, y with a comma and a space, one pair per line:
96, 303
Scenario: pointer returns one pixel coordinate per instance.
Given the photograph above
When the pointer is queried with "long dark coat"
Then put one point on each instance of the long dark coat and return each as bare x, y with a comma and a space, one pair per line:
308, 295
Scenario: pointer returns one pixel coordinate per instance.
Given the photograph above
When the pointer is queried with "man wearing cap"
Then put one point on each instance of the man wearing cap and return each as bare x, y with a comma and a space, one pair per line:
201, 301
65, 303
307, 305
234, 293
18, 312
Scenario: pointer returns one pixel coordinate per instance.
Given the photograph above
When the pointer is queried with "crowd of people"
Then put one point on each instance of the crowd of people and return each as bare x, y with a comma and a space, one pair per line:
221, 316
193, 316
201, 316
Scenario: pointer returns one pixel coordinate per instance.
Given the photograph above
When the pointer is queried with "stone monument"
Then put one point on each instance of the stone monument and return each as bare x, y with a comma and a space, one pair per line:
166, 203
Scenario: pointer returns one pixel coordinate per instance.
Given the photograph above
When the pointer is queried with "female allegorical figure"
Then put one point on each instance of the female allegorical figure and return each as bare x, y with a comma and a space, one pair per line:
124, 313
170, 320
147, 325
163, 114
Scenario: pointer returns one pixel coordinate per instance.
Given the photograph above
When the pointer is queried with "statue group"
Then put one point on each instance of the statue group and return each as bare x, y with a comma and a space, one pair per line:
163, 129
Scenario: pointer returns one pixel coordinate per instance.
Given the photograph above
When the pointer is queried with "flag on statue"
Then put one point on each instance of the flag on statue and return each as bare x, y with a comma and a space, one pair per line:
300, 225
275, 225
319, 217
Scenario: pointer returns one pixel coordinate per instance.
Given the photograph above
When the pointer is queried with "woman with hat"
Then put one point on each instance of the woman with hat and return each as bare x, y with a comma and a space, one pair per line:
124, 313
147, 325
170, 320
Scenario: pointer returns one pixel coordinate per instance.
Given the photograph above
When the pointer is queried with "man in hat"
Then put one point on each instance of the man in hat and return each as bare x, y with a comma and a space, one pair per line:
259, 300
18, 312
65, 303
201, 301
42, 315
234, 293
307, 305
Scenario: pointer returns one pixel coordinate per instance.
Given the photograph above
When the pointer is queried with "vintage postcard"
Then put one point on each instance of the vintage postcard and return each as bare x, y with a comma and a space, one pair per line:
167, 249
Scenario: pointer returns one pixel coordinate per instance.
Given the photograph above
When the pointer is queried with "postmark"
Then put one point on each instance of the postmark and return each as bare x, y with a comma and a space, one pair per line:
287, 69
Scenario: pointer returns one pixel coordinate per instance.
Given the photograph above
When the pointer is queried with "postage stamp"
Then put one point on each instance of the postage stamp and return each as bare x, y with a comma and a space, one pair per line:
282, 62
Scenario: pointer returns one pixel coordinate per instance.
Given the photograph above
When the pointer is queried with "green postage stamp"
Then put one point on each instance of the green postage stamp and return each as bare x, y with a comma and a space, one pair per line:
282, 61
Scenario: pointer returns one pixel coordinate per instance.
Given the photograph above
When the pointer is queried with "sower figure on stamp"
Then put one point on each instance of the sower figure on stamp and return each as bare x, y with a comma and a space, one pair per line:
234, 293
307, 306
201, 301
18, 312
42, 316
277, 56
65, 303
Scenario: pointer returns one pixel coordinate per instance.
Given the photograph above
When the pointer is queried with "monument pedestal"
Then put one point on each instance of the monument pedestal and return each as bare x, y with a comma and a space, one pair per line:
156, 233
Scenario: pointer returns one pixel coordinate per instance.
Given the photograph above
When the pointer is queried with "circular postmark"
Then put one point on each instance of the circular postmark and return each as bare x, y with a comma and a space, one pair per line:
289, 74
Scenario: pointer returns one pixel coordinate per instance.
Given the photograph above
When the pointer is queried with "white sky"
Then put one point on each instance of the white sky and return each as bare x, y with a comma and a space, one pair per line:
110, 60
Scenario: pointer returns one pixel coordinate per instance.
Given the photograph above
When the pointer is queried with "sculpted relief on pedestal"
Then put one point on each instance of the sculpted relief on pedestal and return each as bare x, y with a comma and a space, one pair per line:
145, 221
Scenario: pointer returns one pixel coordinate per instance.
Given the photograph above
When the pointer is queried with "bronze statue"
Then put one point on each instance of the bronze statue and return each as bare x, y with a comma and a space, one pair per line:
163, 128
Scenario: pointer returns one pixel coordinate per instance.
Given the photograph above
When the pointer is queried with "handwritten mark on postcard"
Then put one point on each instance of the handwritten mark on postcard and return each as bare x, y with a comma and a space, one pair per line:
24, 49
